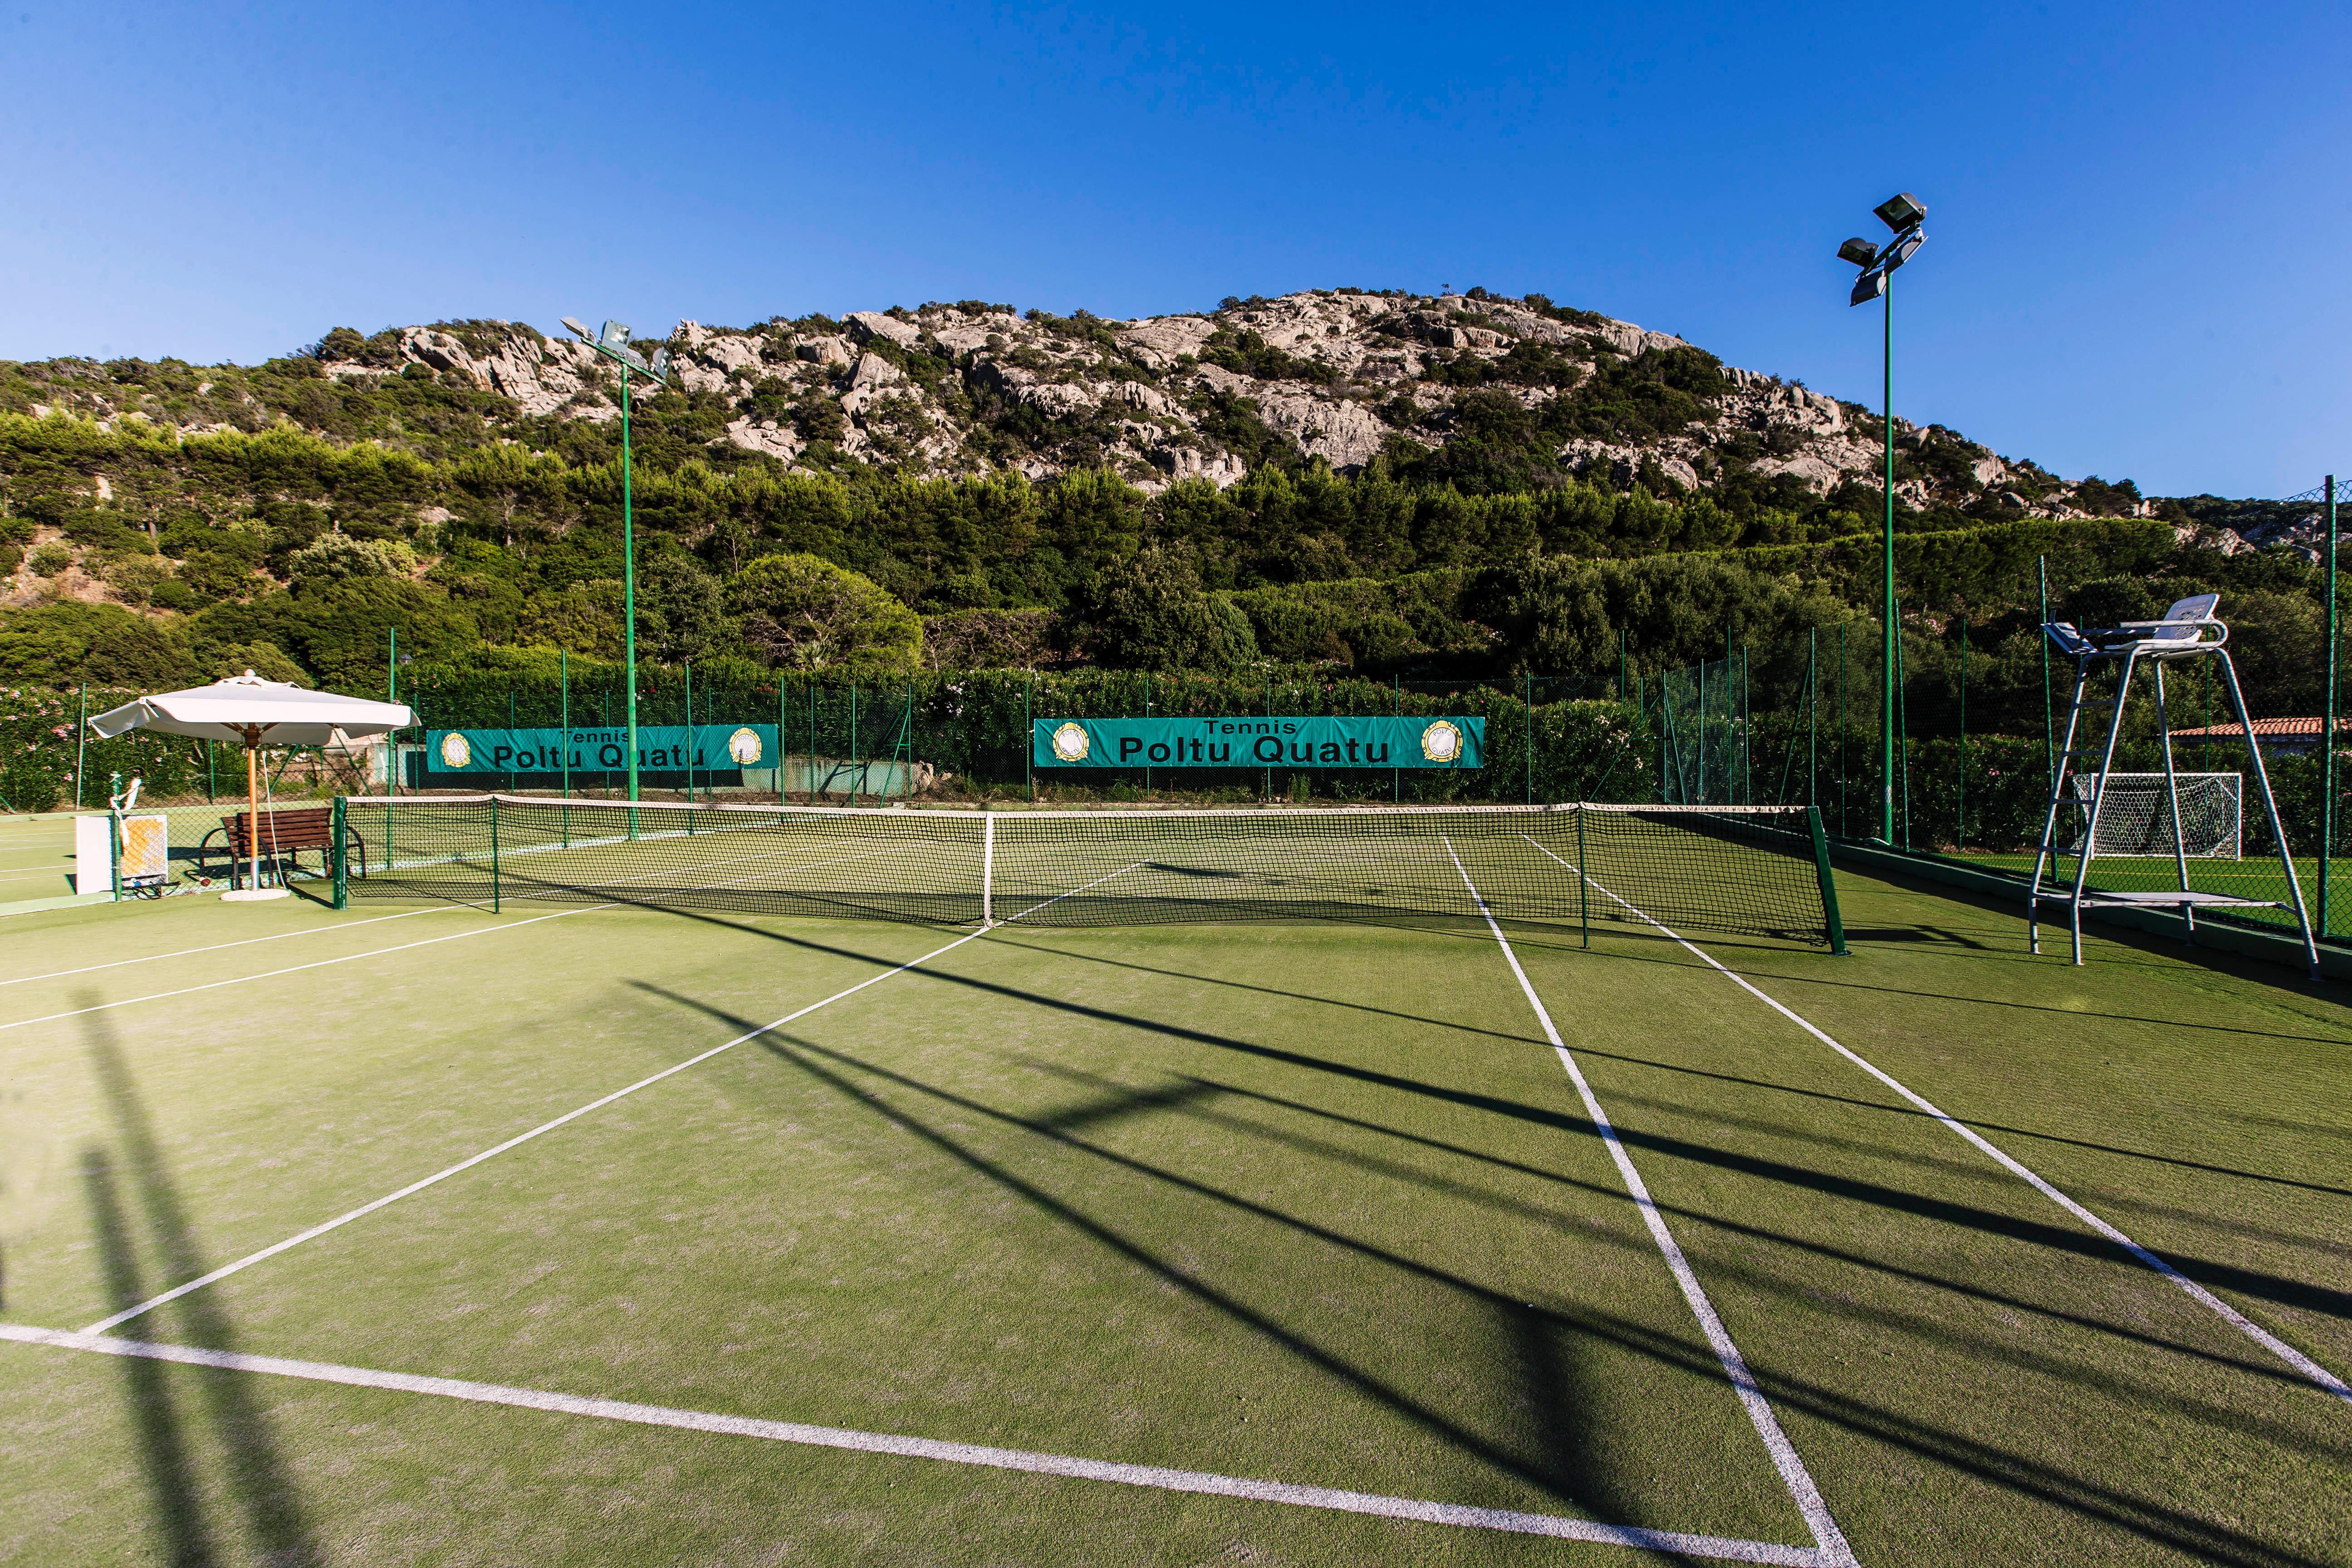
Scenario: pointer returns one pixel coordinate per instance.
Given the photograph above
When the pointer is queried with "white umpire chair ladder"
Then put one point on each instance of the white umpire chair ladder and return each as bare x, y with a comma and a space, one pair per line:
2188, 630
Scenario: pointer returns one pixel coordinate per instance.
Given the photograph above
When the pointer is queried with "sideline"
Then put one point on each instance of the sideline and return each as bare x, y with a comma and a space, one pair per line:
1831, 1542
2327, 1381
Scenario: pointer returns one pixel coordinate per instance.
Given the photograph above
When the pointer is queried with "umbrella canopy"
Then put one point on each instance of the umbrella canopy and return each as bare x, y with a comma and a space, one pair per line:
247, 711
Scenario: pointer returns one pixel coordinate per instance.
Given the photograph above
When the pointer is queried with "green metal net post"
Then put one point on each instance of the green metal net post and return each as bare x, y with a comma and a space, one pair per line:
1583, 887
494, 855
1828, 882
343, 883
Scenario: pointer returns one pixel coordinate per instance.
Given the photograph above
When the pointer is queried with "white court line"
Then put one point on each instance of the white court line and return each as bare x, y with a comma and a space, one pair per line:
1832, 1542
298, 968
2278, 1347
225, 1269
1022, 1459
215, 947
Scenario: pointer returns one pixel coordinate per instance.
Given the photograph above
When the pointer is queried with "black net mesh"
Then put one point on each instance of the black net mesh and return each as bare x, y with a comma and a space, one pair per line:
1723, 868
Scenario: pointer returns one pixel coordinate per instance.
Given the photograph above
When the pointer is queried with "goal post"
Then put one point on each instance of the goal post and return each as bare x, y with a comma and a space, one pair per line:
2135, 818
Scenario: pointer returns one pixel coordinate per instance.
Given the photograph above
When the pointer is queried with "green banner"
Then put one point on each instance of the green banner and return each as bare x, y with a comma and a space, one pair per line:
661, 748
1267, 742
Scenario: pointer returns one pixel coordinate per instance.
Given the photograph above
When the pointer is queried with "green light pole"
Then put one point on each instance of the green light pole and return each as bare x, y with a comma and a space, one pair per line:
1904, 214
614, 344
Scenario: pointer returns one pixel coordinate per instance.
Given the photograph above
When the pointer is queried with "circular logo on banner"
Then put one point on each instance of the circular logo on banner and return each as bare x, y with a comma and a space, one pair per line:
1071, 743
454, 753
744, 745
1442, 742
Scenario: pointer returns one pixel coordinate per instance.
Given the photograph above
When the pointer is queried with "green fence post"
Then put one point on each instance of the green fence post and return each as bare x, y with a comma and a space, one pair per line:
1147, 714
81, 743
1396, 776
1828, 882
342, 881
1531, 737
1960, 804
689, 743
1269, 713
1840, 731
494, 855
854, 780
2049, 716
1813, 717
2327, 724
1028, 738
1902, 725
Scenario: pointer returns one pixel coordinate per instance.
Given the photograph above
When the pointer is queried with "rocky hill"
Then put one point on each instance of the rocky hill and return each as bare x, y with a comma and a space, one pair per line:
1491, 394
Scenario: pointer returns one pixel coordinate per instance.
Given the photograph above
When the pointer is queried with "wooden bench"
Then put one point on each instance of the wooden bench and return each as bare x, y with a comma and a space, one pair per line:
286, 832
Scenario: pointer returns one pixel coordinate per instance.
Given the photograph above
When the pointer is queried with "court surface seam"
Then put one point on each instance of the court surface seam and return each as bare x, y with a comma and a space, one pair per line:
2326, 1381
241, 941
225, 1269
1151, 1476
298, 968
1829, 1541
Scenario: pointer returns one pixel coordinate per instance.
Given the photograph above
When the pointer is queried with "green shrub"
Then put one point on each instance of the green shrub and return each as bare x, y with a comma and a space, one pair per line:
51, 560
804, 612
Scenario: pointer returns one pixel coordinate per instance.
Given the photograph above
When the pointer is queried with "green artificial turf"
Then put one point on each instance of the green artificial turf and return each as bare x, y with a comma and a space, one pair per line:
1309, 1203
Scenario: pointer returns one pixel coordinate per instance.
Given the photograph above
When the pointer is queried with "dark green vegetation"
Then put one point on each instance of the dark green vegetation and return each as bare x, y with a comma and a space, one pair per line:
1309, 1203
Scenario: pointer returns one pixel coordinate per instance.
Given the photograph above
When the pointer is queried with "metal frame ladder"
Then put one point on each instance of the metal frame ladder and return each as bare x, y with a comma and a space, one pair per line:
2188, 630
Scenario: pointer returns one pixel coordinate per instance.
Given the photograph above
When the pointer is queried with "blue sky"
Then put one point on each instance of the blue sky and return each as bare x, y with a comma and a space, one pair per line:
2139, 237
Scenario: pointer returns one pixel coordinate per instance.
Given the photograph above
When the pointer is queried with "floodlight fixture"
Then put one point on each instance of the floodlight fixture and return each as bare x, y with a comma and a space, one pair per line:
1900, 212
612, 343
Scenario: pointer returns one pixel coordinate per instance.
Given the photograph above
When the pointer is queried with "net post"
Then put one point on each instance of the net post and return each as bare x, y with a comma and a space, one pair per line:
987, 868
1828, 880
342, 881
494, 854
1584, 885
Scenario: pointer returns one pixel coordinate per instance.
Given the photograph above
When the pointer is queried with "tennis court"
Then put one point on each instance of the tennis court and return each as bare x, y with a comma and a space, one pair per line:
1211, 1204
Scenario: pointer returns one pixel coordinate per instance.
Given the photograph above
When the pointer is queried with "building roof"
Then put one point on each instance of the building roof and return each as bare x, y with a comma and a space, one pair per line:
2265, 730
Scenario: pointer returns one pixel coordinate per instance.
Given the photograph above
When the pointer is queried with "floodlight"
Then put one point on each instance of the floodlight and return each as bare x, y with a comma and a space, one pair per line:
1900, 212
1870, 285
614, 335
660, 365
579, 329
1859, 251
1902, 248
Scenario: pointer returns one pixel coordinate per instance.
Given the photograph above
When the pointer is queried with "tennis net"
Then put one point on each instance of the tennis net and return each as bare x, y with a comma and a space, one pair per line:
1742, 869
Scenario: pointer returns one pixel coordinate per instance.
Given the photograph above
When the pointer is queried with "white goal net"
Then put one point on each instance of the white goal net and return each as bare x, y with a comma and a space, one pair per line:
2135, 820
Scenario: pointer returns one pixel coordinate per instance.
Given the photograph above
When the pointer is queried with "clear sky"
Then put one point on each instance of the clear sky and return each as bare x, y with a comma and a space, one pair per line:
2140, 236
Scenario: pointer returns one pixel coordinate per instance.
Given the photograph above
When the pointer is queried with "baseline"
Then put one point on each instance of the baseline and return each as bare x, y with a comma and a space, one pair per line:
2325, 1380
1829, 1541
1152, 1476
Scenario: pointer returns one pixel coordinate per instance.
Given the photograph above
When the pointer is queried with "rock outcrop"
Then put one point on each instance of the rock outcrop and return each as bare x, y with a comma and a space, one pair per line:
1339, 377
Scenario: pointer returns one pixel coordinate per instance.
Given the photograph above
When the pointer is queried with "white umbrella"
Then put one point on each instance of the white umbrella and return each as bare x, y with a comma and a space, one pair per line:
254, 712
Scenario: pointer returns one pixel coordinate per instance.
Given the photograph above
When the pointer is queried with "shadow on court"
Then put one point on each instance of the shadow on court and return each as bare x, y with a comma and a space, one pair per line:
1565, 1457
275, 1517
